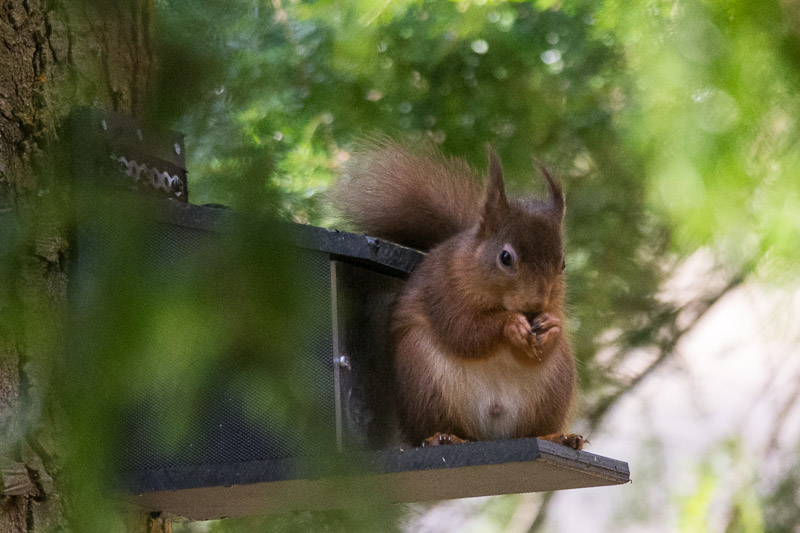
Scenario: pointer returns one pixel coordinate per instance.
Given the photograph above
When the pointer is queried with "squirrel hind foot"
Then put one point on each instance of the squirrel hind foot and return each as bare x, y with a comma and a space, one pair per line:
570, 440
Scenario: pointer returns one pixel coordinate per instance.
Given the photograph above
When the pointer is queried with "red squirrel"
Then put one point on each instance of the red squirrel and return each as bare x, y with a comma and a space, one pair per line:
478, 335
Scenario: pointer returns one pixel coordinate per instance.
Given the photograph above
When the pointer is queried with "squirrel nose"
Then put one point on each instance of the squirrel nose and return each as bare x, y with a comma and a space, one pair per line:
538, 300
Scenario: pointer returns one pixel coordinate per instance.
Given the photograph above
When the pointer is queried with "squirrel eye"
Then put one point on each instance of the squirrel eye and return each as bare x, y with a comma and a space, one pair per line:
507, 256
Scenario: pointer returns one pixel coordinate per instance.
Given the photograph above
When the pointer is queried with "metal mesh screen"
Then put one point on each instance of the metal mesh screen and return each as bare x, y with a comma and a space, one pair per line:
227, 424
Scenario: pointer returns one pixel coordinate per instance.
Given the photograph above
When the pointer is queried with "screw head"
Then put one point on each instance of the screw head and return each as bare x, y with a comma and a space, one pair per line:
176, 185
343, 361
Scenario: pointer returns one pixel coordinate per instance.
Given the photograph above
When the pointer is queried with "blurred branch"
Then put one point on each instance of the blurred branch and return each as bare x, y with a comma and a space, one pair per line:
666, 346
525, 514
541, 515
782, 417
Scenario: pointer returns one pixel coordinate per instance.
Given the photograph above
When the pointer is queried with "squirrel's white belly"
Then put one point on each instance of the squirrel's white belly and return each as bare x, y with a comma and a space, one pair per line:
491, 396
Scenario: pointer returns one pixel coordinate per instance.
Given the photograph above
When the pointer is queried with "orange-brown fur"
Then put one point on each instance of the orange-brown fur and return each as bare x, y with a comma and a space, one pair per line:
467, 360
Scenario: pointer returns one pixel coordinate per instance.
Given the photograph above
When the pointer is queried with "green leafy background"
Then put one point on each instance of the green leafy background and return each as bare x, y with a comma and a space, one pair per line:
672, 124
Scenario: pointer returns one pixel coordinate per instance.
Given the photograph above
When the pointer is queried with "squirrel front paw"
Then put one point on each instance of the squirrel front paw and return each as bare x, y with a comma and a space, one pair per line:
518, 331
545, 327
532, 332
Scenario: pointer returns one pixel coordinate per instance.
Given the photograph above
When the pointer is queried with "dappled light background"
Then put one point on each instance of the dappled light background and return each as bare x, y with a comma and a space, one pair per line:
674, 128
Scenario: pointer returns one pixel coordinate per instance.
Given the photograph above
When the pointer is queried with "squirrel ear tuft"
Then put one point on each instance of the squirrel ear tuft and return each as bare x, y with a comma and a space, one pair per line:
554, 191
495, 207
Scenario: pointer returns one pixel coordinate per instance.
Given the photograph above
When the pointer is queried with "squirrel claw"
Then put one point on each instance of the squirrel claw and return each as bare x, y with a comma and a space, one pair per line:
530, 339
570, 440
439, 439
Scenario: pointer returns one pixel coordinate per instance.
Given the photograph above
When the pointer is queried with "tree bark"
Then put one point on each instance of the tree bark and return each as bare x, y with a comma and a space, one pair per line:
54, 56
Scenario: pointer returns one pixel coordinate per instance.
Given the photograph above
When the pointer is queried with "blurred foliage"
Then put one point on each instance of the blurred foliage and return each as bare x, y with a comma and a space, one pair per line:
781, 512
172, 334
725, 496
672, 124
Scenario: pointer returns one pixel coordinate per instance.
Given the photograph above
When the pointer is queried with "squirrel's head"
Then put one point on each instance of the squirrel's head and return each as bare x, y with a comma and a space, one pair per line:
520, 247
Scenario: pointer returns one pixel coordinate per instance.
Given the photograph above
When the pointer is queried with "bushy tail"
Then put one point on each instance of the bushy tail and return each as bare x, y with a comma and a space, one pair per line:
416, 201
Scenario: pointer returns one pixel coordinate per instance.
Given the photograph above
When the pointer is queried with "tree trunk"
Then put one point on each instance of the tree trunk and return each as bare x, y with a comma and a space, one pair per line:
54, 56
